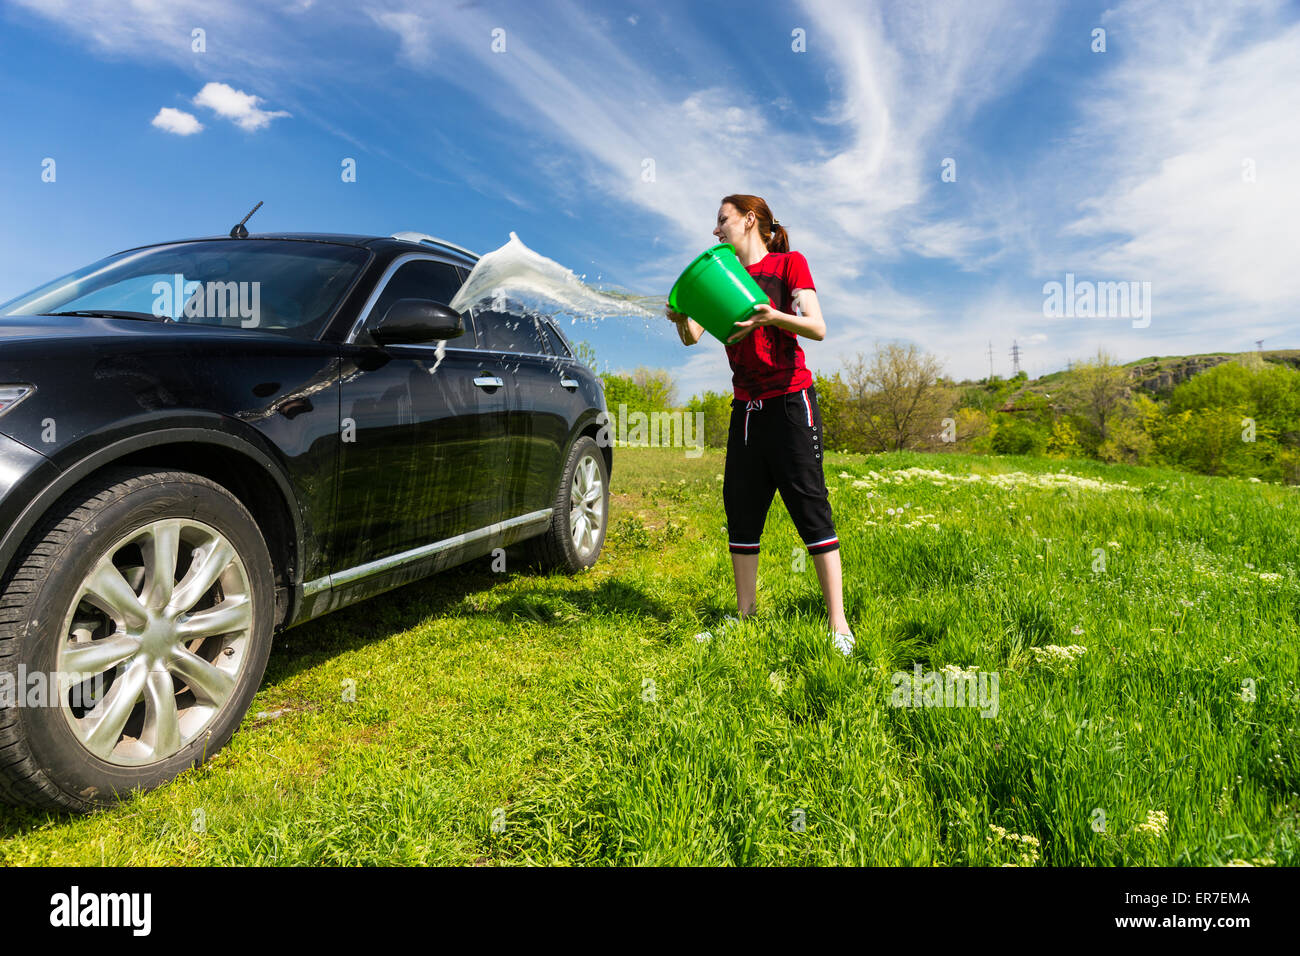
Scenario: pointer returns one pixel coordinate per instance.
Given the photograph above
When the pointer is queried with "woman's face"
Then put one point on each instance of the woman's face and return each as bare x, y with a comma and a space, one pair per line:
731, 224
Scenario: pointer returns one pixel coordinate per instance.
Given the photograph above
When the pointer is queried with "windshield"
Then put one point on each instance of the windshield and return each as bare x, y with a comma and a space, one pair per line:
276, 285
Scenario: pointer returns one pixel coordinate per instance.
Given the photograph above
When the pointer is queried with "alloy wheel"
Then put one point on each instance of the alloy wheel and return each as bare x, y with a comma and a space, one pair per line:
586, 506
154, 641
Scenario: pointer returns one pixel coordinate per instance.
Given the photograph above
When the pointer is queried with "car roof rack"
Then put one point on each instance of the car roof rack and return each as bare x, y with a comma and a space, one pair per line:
427, 240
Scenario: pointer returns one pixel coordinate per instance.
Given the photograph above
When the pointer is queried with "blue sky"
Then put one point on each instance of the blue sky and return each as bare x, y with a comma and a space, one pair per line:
1122, 165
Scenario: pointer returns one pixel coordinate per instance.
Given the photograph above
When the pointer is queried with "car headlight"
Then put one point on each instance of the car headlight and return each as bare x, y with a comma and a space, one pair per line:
11, 395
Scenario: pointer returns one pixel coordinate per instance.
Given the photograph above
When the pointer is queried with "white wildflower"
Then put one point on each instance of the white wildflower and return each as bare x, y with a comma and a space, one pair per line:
1156, 823
1023, 845
1056, 657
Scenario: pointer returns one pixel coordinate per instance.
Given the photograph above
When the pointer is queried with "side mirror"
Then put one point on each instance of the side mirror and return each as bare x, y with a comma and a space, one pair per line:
413, 321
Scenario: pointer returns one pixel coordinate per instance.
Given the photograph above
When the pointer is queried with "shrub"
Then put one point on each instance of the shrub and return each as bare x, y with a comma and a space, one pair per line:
1014, 436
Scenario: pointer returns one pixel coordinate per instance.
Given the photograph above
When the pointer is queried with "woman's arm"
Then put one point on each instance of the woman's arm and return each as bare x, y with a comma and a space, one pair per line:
810, 324
688, 330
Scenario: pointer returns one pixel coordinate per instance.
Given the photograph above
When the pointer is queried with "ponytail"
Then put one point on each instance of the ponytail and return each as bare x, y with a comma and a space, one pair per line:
778, 241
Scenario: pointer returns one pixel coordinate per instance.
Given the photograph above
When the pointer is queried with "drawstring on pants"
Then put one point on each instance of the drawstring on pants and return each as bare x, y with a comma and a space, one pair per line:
756, 403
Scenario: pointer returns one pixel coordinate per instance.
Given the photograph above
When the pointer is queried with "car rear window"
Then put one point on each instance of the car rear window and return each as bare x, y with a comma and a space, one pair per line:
508, 332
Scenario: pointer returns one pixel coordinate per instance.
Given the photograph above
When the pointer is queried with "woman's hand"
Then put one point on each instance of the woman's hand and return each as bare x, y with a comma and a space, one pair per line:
763, 314
678, 317
688, 330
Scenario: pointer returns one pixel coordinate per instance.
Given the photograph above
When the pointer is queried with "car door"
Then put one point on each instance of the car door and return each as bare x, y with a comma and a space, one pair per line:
539, 415
571, 399
424, 439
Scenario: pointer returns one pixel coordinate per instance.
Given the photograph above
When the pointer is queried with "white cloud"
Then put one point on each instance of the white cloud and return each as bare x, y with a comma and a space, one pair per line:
946, 240
414, 35
160, 29
1194, 98
177, 121
239, 107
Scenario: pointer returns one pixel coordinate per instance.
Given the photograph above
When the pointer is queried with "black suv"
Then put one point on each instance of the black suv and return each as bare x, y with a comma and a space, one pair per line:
207, 441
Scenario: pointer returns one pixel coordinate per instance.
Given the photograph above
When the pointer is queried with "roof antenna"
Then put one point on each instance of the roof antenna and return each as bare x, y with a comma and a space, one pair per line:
239, 232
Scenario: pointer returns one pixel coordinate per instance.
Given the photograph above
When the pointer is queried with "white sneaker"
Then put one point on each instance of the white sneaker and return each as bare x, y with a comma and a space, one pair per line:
844, 643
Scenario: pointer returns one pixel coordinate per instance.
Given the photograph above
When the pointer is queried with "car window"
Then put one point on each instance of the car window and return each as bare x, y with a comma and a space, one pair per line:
554, 341
508, 332
272, 285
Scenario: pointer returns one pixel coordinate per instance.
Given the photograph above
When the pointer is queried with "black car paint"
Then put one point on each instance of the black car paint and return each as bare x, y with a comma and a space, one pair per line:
411, 475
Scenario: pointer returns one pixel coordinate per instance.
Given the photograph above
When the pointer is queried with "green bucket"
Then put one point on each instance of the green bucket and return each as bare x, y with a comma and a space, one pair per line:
716, 291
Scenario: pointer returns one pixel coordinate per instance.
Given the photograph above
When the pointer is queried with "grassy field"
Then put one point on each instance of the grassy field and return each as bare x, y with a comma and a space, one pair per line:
518, 718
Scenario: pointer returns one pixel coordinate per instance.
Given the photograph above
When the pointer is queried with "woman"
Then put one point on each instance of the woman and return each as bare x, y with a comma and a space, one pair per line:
774, 443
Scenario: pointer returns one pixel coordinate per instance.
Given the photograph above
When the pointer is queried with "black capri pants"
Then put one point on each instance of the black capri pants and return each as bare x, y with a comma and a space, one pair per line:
774, 444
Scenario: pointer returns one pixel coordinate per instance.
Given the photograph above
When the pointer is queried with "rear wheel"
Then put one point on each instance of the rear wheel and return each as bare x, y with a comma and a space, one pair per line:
145, 601
580, 512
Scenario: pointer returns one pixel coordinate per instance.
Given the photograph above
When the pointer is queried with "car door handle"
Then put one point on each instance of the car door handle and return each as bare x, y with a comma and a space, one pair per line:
488, 381
568, 383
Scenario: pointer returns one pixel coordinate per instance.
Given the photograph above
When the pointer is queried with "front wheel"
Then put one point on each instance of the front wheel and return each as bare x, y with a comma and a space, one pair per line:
581, 512
145, 602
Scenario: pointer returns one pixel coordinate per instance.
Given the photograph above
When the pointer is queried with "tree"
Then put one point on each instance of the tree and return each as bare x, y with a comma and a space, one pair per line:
897, 400
974, 430
585, 354
657, 386
645, 390
1017, 436
621, 390
833, 400
716, 407
1098, 389
1063, 442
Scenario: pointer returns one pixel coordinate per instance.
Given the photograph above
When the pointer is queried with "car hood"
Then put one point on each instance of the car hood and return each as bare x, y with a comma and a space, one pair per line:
30, 344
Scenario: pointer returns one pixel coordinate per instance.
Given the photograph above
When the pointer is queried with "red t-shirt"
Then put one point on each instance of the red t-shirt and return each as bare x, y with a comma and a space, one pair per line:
769, 361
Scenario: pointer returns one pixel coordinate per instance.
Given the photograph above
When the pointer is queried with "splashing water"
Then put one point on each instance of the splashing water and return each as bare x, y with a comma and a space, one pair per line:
515, 278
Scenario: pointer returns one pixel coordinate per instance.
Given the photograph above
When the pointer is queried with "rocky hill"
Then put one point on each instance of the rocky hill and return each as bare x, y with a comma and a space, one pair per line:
1158, 376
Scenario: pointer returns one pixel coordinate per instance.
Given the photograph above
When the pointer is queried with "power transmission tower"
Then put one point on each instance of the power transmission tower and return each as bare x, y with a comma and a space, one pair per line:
1259, 345
1015, 358
990, 360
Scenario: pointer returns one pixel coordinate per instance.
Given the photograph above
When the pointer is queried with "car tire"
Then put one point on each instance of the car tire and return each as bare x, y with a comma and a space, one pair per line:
581, 505
160, 583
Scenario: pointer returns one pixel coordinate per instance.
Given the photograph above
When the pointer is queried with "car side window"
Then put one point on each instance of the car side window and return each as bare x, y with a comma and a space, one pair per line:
554, 341
508, 332
418, 279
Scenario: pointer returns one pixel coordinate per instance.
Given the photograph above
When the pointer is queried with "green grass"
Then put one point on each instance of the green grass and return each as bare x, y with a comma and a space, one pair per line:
518, 718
